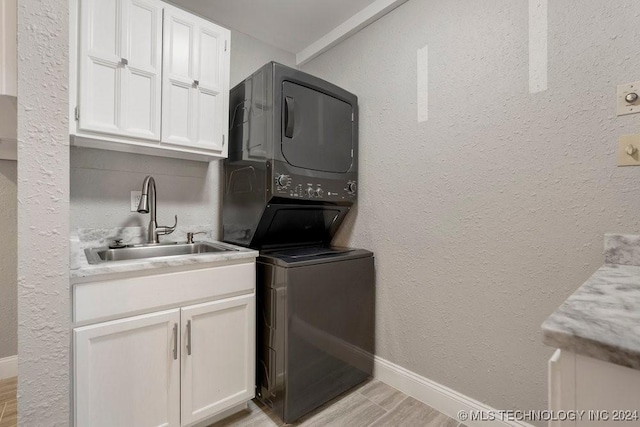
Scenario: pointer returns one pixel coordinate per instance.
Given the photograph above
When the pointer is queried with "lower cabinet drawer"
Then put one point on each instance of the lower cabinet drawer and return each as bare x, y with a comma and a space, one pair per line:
112, 299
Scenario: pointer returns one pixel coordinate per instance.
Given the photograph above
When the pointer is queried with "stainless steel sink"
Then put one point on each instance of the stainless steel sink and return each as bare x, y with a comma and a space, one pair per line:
134, 252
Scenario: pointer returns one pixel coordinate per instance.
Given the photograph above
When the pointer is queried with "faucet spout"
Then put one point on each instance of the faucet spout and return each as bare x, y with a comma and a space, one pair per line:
148, 205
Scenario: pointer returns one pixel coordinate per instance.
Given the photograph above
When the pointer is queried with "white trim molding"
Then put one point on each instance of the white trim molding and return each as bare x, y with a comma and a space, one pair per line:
366, 16
439, 397
8, 367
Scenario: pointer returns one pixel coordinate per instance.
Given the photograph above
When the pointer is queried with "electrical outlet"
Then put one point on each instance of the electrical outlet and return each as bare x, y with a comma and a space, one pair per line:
135, 200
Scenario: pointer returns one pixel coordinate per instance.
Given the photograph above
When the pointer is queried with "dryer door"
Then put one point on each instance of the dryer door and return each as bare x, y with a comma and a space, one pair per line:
317, 130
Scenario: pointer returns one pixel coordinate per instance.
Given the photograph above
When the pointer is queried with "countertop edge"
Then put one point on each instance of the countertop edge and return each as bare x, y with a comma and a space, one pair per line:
590, 348
594, 321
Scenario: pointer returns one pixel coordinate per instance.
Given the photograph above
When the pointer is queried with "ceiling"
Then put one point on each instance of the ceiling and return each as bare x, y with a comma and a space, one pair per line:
291, 25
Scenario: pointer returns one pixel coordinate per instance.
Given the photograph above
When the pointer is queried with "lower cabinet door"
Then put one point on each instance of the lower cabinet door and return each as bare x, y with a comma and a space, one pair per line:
127, 372
218, 356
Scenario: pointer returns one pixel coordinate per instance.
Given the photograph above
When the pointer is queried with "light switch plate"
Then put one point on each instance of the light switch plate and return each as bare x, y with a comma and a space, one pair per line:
629, 142
135, 200
625, 107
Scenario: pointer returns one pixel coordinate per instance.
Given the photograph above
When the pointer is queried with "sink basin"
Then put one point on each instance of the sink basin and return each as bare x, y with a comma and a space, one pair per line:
135, 252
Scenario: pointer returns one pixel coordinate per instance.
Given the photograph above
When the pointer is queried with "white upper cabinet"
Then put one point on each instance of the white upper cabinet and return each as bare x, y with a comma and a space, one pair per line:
148, 83
120, 67
8, 57
195, 82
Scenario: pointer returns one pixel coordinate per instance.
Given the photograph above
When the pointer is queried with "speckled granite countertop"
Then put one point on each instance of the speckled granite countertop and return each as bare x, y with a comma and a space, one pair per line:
92, 238
602, 318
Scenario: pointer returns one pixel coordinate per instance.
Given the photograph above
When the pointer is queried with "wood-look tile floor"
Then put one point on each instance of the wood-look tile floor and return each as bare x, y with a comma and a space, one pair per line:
373, 403
8, 402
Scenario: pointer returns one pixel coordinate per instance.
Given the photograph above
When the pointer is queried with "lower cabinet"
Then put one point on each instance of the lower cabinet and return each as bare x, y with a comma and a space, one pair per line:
169, 368
218, 369
127, 372
584, 391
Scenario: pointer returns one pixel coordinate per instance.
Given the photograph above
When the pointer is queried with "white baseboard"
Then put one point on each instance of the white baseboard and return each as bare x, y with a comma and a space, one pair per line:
439, 397
8, 367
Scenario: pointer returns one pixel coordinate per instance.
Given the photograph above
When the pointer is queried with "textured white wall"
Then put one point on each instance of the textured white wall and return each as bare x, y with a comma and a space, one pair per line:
8, 260
101, 181
44, 303
488, 215
248, 54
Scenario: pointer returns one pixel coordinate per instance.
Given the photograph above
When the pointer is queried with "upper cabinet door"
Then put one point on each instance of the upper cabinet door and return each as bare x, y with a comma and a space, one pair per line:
179, 77
213, 86
120, 66
100, 48
141, 79
195, 82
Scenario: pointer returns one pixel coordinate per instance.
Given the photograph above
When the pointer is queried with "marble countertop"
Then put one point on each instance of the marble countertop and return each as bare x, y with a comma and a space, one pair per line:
602, 318
92, 238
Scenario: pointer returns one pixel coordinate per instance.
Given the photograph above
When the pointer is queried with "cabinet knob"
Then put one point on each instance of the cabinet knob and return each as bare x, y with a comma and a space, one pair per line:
124, 61
196, 83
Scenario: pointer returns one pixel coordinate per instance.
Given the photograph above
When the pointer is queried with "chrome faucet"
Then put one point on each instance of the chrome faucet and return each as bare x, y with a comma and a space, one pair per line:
148, 205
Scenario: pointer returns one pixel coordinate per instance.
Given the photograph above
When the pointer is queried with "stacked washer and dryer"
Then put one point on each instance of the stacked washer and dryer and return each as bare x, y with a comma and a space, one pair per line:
290, 179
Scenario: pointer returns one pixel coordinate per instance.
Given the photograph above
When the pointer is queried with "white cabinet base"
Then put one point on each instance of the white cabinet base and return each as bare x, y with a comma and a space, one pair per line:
128, 372
594, 389
222, 415
186, 366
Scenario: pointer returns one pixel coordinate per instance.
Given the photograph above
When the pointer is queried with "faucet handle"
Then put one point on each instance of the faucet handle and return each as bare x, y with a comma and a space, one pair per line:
163, 230
116, 244
191, 234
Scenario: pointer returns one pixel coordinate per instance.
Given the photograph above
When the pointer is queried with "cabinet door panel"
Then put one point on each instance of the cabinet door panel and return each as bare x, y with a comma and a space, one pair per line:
209, 64
219, 372
99, 65
209, 121
101, 31
608, 387
144, 20
177, 122
178, 99
181, 42
142, 116
142, 83
102, 103
211, 116
126, 373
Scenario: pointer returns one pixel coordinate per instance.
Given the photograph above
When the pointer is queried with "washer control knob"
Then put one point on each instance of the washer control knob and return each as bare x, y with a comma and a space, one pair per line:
319, 192
309, 192
282, 180
351, 187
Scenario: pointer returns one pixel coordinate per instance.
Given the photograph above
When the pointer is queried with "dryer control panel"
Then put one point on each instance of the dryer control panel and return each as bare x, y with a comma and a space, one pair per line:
306, 188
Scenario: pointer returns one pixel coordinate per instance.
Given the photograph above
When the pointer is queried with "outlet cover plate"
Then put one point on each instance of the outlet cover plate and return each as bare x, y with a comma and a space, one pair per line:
135, 200
625, 107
